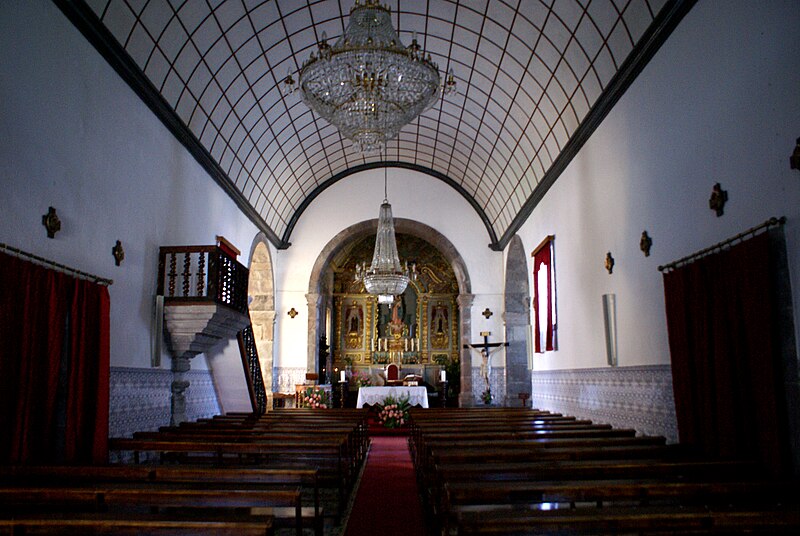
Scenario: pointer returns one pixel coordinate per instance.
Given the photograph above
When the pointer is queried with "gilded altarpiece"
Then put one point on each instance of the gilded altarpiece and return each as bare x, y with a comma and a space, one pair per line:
420, 327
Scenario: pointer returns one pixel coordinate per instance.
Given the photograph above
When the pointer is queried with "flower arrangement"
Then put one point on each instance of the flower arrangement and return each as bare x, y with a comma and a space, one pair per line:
486, 396
393, 413
316, 398
361, 379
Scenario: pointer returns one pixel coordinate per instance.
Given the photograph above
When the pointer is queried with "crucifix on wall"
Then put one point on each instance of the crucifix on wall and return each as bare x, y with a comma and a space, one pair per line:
486, 349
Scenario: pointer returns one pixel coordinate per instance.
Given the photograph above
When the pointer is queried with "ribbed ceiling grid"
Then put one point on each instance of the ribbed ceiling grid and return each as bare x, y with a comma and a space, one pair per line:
528, 73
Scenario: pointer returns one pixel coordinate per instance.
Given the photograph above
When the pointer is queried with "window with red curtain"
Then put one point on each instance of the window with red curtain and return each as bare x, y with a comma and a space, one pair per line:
54, 366
544, 296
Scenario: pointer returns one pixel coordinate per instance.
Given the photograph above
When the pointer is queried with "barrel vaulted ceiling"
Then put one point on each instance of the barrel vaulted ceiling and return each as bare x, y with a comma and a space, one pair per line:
535, 77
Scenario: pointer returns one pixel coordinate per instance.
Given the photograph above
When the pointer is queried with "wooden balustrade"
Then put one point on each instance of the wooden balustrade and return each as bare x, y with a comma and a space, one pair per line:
209, 274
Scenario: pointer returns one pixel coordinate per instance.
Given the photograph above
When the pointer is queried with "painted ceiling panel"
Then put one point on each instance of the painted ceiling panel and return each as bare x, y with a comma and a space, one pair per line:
531, 74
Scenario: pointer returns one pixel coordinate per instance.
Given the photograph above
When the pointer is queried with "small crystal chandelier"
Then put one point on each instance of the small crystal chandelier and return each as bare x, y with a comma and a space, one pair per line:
386, 277
368, 84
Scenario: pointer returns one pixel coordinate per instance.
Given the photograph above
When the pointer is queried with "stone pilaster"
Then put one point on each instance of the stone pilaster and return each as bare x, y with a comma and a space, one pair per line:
518, 379
465, 397
263, 331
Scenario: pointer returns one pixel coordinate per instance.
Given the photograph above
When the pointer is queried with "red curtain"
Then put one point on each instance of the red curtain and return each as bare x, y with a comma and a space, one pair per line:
543, 258
720, 318
52, 325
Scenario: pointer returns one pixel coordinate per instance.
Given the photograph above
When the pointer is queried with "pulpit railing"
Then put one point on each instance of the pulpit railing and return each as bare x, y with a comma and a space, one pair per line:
252, 369
199, 274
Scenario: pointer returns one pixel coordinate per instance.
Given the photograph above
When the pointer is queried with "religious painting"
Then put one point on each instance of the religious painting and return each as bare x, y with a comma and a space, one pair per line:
544, 296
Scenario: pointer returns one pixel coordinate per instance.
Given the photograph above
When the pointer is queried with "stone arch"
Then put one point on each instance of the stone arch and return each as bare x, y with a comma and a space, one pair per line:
261, 297
317, 300
517, 299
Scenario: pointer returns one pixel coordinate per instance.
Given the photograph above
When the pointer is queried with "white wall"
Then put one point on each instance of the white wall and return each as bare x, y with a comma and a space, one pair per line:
720, 102
357, 198
74, 136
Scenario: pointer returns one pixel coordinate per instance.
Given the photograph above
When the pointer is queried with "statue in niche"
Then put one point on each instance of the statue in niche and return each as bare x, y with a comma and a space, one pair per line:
402, 312
397, 327
354, 322
396, 311
354, 318
439, 326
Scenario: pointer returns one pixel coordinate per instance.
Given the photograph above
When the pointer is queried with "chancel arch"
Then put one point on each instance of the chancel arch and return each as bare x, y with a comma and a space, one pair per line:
261, 291
517, 321
349, 244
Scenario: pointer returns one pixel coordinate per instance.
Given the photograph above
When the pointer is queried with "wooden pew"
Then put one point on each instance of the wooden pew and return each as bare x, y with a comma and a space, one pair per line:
531, 471
458, 446
598, 469
129, 500
327, 456
352, 452
501, 472
352, 422
639, 520
261, 478
541, 448
600, 492
334, 441
133, 525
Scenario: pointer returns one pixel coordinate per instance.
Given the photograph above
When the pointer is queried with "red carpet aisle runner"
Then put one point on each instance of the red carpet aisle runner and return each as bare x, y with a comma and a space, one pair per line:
387, 503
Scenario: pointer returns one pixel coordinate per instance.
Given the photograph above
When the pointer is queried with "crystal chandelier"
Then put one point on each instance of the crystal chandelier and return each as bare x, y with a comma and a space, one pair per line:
385, 277
368, 84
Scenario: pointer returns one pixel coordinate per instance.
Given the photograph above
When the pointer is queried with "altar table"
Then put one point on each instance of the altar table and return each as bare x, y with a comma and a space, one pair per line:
417, 395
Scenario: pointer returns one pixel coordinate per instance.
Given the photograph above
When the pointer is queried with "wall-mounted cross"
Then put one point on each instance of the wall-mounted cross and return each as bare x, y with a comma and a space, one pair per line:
487, 313
484, 346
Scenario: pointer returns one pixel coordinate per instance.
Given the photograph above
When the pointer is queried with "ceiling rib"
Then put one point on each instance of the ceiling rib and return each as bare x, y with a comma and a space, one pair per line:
212, 71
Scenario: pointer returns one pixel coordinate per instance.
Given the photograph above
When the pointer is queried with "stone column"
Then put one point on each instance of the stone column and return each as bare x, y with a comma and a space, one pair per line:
314, 302
465, 397
180, 365
264, 334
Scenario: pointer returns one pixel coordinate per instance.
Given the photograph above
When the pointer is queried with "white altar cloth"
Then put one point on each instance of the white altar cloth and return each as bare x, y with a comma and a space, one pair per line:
417, 395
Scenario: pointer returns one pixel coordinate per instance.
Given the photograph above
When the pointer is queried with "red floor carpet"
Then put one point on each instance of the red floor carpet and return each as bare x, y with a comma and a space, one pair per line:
386, 502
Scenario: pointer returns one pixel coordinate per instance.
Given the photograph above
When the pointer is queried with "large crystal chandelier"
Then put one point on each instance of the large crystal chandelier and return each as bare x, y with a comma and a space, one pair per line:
368, 84
385, 277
